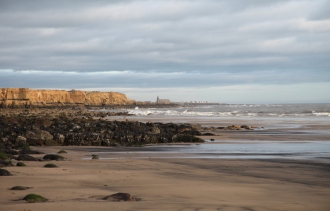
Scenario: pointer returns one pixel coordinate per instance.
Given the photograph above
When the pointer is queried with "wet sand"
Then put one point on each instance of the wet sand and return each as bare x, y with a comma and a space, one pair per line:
179, 183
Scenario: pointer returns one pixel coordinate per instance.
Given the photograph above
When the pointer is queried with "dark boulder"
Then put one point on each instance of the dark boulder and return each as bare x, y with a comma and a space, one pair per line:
29, 152
27, 158
53, 157
4, 172
208, 134
245, 127
19, 188
95, 157
119, 197
34, 198
5, 163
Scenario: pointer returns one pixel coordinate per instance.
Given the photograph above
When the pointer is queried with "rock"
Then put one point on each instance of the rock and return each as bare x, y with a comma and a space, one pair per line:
53, 157
3, 156
154, 130
20, 164
196, 127
187, 139
29, 152
38, 137
19, 188
106, 143
5, 163
119, 197
27, 158
34, 198
21, 139
208, 134
233, 127
50, 165
245, 127
4, 172
79, 131
95, 157
60, 138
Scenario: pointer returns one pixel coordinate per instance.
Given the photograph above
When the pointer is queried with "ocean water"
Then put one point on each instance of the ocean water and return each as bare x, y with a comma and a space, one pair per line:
300, 150
276, 119
239, 110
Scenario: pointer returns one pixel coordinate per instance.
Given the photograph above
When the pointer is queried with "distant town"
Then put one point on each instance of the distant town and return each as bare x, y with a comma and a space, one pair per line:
168, 101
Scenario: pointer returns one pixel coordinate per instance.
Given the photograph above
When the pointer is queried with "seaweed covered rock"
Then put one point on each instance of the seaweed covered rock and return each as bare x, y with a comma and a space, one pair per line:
50, 165
187, 138
4, 172
19, 188
62, 152
53, 157
119, 197
5, 163
20, 164
34, 198
78, 127
4, 159
95, 157
3, 156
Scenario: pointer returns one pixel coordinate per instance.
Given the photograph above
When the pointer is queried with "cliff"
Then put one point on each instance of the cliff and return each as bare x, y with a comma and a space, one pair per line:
16, 97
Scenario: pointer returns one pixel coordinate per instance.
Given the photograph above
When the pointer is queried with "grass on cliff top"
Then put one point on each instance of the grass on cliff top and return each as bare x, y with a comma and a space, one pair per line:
33, 198
50, 165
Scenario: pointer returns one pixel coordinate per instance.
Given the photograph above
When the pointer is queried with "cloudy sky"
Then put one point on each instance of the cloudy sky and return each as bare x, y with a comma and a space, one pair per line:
238, 51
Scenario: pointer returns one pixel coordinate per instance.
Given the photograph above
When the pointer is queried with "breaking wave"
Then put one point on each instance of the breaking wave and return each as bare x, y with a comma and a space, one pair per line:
310, 110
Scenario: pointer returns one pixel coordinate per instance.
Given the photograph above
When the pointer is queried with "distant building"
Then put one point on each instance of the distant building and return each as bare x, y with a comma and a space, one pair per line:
163, 101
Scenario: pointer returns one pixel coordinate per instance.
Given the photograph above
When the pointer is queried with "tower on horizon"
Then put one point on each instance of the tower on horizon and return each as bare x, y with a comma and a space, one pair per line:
163, 101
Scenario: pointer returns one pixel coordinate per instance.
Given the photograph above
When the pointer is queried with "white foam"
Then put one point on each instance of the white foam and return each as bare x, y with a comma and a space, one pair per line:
231, 111
321, 113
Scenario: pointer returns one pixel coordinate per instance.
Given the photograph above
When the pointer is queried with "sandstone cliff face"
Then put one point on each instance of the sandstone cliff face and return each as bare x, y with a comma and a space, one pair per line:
16, 97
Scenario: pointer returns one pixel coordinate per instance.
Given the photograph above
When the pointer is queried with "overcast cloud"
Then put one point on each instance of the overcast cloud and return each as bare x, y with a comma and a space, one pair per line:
224, 51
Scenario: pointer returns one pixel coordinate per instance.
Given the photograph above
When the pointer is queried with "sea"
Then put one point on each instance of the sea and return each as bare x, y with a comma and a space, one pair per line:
294, 118
239, 110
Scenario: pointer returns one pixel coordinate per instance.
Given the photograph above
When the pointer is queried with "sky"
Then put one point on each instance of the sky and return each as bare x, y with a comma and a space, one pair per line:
238, 51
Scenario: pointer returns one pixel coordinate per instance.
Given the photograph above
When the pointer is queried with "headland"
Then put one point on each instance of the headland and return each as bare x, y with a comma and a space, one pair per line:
25, 97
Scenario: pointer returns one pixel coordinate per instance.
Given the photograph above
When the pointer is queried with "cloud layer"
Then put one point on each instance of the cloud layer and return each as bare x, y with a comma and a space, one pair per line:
163, 44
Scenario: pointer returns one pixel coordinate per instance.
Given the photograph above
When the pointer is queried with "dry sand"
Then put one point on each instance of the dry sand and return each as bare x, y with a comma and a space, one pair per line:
168, 184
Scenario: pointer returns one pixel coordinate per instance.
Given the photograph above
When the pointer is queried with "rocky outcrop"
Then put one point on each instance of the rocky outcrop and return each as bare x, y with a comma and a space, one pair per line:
18, 131
16, 97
